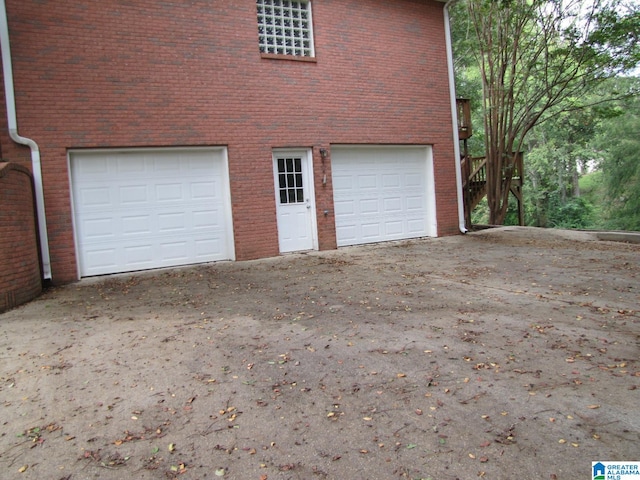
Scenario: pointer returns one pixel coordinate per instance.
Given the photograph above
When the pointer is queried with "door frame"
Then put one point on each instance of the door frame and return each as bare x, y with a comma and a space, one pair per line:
309, 190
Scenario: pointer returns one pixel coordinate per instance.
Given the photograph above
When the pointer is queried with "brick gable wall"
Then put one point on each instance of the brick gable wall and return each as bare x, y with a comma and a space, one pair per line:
148, 73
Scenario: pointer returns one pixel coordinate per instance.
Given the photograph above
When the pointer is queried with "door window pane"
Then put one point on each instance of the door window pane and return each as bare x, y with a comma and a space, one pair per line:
290, 181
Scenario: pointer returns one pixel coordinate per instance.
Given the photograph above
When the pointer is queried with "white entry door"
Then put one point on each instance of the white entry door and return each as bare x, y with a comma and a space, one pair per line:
295, 205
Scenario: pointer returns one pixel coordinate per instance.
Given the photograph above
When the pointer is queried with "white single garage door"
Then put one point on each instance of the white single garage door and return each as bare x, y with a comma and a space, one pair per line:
141, 209
382, 193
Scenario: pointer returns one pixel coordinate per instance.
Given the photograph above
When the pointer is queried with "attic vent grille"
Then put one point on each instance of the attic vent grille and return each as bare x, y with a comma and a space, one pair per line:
284, 27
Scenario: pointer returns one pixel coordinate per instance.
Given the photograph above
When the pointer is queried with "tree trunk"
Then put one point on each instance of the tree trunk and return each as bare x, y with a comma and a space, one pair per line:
500, 171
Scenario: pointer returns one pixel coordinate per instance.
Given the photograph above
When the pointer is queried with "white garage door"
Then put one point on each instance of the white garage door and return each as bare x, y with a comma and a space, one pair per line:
141, 209
382, 193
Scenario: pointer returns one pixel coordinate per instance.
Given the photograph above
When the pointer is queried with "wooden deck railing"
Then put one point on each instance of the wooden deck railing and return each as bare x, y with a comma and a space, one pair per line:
474, 175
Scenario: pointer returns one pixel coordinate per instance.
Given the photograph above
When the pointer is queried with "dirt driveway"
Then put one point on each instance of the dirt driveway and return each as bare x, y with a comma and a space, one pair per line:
503, 354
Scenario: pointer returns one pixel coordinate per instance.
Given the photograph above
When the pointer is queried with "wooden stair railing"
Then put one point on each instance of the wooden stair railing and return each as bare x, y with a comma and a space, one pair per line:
474, 183
474, 180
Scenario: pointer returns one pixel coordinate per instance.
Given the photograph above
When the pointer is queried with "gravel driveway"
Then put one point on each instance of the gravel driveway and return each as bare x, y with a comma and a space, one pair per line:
510, 353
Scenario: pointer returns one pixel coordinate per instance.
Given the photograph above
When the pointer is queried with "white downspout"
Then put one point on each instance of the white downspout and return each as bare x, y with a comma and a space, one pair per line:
13, 133
454, 115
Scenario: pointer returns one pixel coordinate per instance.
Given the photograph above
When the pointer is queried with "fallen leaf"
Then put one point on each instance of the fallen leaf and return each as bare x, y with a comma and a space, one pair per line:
220, 472
172, 447
593, 407
484, 459
23, 468
411, 445
401, 375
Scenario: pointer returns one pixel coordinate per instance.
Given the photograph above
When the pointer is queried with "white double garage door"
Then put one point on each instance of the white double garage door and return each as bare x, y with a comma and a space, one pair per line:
142, 209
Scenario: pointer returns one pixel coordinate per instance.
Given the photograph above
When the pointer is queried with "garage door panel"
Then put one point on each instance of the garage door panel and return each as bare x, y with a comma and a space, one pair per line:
96, 167
174, 251
344, 207
391, 181
139, 210
138, 255
136, 225
95, 197
168, 165
413, 180
348, 232
414, 203
203, 190
392, 205
102, 258
127, 164
171, 222
382, 193
169, 192
371, 231
206, 245
133, 194
415, 226
98, 228
196, 164
367, 182
368, 206
394, 228
342, 183
206, 219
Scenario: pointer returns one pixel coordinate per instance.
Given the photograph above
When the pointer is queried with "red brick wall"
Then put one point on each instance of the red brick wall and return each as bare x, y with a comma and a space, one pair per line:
20, 279
149, 73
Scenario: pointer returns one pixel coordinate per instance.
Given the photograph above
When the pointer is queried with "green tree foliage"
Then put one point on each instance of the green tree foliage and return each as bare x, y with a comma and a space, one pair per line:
536, 60
619, 142
558, 150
